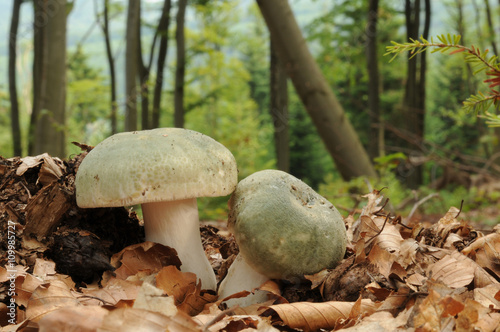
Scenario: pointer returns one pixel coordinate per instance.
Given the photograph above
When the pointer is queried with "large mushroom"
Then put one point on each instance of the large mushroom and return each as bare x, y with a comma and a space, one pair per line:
164, 170
284, 229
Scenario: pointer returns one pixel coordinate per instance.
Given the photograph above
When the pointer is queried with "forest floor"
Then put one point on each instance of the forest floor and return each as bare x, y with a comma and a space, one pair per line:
75, 269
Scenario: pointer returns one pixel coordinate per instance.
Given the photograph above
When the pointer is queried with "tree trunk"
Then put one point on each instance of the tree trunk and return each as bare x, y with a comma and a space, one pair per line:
279, 111
181, 66
491, 27
143, 76
327, 114
14, 104
414, 99
49, 66
160, 65
131, 65
376, 132
111, 64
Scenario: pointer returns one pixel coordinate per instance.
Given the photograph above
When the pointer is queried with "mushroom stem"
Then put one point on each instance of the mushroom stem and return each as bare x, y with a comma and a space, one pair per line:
176, 224
240, 277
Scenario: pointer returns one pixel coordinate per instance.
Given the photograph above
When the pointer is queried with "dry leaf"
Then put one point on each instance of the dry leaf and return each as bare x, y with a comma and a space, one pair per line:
476, 317
453, 272
486, 296
184, 288
314, 316
140, 320
73, 319
147, 256
152, 299
49, 297
114, 291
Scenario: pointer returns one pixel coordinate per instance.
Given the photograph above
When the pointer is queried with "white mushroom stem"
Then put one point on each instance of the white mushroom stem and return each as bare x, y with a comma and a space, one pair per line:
240, 277
176, 224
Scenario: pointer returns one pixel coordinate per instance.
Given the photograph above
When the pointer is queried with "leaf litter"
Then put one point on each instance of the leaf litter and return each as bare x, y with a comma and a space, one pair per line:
90, 270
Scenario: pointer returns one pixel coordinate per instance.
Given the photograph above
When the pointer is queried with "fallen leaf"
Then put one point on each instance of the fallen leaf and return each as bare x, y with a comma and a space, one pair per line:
114, 291
314, 316
185, 289
73, 319
146, 256
453, 272
140, 320
152, 299
49, 297
486, 296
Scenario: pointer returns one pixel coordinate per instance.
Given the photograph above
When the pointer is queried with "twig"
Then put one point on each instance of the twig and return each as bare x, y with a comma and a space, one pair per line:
417, 204
217, 318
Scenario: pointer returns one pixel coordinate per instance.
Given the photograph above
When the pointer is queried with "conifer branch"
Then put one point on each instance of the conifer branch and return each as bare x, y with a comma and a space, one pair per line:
450, 44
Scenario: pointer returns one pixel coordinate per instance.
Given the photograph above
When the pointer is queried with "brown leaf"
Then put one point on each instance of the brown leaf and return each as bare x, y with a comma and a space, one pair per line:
487, 296
453, 272
114, 290
152, 299
184, 288
49, 297
476, 317
314, 316
147, 256
73, 319
140, 320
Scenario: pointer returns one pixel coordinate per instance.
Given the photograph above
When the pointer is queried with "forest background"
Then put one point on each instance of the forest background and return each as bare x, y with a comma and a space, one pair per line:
219, 77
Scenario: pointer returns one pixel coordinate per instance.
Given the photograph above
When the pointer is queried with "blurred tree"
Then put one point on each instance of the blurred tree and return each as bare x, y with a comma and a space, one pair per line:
376, 131
48, 118
104, 24
131, 64
14, 104
327, 114
162, 31
414, 99
279, 110
180, 68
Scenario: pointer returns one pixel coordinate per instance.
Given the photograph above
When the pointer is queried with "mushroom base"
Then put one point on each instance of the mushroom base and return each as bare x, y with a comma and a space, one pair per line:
176, 224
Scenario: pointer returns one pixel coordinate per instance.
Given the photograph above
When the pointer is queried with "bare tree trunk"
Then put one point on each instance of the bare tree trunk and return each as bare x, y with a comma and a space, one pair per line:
50, 66
327, 114
491, 27
376, 132
14, 104
111, 64
143, 76
279, 111
414, 99
181, 66
131, 65
162, 30
39, 70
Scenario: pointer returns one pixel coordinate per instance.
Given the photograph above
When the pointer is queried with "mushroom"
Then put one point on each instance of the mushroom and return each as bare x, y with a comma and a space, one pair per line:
164, 170
284, 229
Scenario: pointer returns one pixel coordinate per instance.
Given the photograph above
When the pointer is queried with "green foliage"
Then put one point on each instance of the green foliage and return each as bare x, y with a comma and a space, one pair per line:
479, 61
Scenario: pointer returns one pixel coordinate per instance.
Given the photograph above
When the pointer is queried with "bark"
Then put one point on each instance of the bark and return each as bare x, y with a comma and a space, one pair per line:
279, 111
327, 114
49, 66
143, 76
181, 66
111, 65
491, 27
14, 104
414, 99
376, 132
162, 31
131, 62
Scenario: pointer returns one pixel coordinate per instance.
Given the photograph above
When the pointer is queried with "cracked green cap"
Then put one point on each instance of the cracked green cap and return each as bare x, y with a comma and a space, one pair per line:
283, 227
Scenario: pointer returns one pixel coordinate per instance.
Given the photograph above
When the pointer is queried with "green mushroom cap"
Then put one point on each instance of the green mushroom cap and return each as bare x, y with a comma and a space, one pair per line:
283, 227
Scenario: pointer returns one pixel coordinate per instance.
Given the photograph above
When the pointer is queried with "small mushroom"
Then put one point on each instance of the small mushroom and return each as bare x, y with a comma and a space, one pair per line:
164, 170
284, 229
